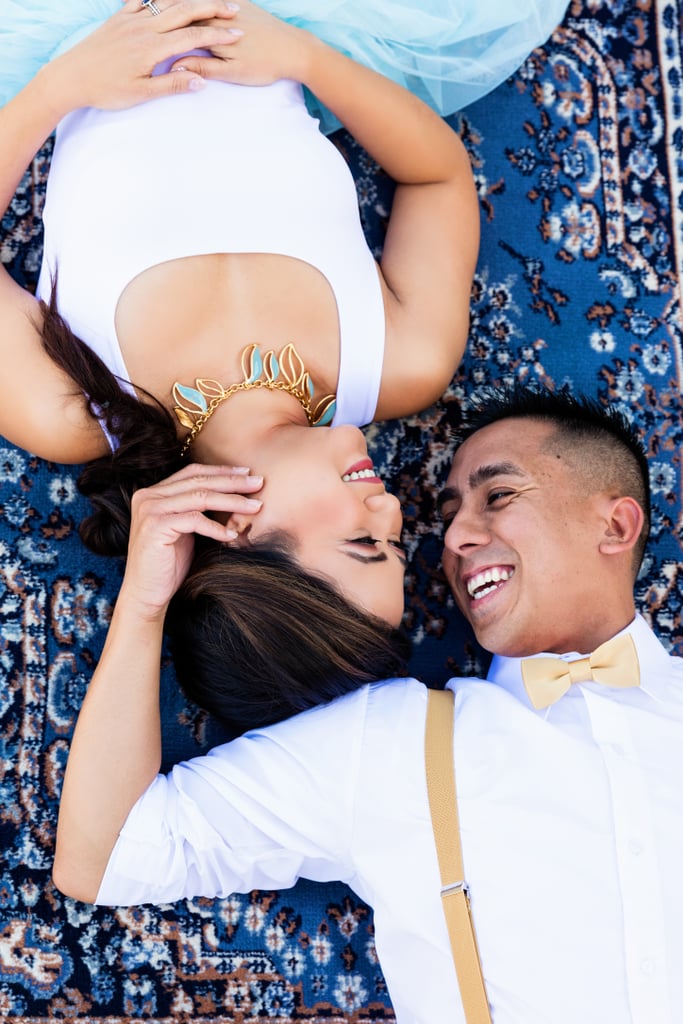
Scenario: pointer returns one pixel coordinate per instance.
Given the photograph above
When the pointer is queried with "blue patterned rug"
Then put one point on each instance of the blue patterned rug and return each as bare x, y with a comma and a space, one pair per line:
579, 164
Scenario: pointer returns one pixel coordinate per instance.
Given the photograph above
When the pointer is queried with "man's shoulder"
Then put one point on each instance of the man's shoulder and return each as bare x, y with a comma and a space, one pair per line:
475, 692
353, 706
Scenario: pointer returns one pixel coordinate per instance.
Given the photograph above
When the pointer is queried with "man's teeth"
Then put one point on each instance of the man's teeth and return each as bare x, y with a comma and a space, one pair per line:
485, 582
362, 474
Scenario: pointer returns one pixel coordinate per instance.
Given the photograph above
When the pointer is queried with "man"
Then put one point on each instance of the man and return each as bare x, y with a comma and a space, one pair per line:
569, 790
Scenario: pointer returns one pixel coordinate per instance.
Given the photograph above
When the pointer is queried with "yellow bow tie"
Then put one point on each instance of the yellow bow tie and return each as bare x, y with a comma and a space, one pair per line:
614, 663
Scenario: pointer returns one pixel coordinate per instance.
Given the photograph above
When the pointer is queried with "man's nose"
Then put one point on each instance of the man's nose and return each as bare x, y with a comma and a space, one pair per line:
466, 530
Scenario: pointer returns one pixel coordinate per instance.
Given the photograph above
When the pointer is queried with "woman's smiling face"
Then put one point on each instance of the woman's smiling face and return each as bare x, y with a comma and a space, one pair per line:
323, 492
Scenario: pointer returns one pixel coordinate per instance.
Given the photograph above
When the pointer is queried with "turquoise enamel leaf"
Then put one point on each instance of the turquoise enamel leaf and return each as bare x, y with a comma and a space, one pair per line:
191, 396
256, 364
327, 416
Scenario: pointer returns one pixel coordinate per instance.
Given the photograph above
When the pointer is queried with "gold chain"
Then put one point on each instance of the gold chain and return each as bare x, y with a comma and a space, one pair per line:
193, 410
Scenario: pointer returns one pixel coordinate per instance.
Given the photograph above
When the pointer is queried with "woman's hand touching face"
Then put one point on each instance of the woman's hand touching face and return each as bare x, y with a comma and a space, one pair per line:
164, 521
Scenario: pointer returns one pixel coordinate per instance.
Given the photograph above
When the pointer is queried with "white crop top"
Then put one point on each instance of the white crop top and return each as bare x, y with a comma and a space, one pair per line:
227, 169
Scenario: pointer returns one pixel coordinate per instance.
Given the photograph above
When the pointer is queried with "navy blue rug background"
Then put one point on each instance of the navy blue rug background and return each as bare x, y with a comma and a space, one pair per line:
578, 165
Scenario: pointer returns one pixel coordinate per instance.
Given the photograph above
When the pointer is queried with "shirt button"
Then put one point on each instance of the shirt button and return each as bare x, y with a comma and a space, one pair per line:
647, 967
635, 847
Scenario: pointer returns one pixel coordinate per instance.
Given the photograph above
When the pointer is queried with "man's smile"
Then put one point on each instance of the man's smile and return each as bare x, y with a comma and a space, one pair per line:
486, 581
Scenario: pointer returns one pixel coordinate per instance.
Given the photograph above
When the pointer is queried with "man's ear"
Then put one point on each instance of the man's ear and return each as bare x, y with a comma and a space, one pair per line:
624, 524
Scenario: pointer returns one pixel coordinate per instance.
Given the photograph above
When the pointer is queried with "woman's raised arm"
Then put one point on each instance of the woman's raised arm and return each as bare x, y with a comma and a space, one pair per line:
111, 68
116, 748
432, 238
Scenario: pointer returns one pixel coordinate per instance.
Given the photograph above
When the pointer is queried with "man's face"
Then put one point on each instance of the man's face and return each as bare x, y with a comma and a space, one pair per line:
522, 542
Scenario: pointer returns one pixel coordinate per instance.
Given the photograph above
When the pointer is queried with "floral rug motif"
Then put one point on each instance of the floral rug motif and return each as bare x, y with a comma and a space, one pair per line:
579, 167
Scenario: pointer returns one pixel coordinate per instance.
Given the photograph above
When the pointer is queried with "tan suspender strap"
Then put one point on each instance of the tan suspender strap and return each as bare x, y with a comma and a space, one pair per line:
443, 807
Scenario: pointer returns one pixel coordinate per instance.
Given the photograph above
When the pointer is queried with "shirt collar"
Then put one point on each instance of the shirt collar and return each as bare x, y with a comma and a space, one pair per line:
653, 659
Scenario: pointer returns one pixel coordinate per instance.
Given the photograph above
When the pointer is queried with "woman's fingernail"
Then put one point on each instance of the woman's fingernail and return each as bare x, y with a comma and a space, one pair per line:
181, 67
253, 502
239, 470
196, 84
254, 480
231, 534
235, 32
232, 7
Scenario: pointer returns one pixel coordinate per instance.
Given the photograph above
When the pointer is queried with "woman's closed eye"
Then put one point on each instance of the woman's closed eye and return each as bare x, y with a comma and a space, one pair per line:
368, 541
363, 540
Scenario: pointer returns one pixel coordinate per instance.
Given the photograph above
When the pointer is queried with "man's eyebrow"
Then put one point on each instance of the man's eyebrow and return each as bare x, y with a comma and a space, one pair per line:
480, 476
484, 473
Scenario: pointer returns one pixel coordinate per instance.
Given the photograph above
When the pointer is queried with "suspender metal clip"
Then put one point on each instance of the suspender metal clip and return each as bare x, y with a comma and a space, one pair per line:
446, 890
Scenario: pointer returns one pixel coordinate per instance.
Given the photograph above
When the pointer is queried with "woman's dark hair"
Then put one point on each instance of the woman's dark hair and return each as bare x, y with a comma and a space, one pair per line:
255, 638
148, 448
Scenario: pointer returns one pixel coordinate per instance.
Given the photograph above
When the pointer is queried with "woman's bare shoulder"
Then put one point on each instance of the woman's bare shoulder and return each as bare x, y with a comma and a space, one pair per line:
41, 409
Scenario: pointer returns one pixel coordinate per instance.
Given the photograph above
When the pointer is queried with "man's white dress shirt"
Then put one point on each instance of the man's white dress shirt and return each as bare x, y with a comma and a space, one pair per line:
572, 831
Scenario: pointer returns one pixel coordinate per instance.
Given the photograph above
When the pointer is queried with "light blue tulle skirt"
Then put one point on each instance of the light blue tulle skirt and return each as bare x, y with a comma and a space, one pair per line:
448, 52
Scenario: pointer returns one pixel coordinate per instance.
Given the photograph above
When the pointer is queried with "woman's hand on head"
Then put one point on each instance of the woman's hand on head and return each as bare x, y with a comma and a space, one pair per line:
164, 521
112, 67
266, 50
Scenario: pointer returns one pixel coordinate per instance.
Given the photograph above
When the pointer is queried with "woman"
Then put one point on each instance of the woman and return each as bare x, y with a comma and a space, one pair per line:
233, 287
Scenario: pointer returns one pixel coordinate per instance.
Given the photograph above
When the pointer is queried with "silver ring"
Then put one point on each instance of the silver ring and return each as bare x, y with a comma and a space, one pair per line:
151, 5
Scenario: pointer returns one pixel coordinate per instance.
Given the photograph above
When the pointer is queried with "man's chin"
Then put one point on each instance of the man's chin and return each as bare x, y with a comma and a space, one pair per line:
495, 638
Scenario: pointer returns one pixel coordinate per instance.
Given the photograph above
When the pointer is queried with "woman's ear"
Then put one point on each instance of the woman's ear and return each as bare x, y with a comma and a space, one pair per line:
241, 524
624, 526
